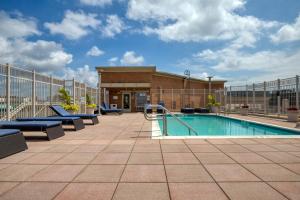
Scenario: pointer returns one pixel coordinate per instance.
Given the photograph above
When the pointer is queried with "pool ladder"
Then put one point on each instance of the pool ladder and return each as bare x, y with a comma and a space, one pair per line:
164, 118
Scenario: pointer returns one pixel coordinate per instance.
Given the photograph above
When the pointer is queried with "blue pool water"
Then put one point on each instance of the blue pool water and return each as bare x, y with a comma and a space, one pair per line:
211, 125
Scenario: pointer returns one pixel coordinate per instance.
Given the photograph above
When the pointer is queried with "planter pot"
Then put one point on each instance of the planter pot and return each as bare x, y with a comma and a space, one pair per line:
72, 112
244, 111
293, 115
90, 110
214, 109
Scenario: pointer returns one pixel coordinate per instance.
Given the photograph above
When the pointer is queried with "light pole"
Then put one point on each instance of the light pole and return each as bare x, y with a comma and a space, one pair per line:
209, 84
187, 73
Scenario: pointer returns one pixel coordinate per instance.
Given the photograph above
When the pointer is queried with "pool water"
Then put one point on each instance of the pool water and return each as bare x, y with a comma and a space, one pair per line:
212, 125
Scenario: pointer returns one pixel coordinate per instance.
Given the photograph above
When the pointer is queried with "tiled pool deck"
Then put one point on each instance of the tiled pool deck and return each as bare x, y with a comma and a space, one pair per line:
117, 159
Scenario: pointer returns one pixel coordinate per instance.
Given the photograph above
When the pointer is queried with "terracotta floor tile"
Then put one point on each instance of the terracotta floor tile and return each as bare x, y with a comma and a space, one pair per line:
87, 191
2, 166
232, 148
144, 173
219, 141
174, 148
230, 172
118, 148
285, 147
289, 189
243, 141
280, 157
250, 191
205, 148
145, 191
259, 147
272, 172
180, 158
187, 173
36, 191
295, 167
214, 158
146, 158
100, 173
196, 141
19, 172
111, 158
15, 158
76, 158
196, 191
62, 148
147, 148
89, 148
171, 142
58, 173
248, 158
43, 158
5, 186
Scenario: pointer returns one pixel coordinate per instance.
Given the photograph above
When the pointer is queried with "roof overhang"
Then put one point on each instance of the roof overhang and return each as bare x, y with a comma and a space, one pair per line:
125, 85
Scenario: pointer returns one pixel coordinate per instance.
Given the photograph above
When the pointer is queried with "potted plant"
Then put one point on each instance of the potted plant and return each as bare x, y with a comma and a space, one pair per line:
244, 110
66, 101
292, 114
90, 107
213, 105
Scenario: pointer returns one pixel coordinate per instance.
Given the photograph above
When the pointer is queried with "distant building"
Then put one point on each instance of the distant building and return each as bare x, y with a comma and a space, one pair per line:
130, 88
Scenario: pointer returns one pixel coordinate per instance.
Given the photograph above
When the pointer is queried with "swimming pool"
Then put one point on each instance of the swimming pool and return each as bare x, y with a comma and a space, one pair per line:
213, 125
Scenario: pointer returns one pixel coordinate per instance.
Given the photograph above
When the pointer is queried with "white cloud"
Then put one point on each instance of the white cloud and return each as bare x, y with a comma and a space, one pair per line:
41, 55
17, 26
74, 25
95, 51
112, 61
100, 3
288, 32
114, 25
130, 58
196, 20
83, 74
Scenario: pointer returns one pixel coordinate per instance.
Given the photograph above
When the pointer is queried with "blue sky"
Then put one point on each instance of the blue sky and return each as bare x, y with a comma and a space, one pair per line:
237, 40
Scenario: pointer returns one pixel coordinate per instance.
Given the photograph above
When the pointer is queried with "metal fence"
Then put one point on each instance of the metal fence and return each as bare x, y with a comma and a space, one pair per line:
271, 98
25, 93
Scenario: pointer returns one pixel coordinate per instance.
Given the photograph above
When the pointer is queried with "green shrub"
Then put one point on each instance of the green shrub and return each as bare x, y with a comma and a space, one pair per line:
212, 101
71, 107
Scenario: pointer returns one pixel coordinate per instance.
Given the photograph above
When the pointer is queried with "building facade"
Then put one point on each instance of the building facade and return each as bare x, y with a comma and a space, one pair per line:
130, 88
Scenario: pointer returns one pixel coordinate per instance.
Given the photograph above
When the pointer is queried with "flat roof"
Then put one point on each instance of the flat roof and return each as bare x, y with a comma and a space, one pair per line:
151, 69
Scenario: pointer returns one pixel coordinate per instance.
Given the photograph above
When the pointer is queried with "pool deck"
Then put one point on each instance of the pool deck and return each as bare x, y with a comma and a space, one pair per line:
117, 159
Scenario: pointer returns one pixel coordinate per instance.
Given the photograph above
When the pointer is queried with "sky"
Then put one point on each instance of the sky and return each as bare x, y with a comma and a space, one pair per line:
241, 41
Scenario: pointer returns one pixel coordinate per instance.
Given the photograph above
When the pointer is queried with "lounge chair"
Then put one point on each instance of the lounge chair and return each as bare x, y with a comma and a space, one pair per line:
160, 110
53, 129
63, 113
105, 109
201, 110
11, 141
77, 122
188, 110
148, 108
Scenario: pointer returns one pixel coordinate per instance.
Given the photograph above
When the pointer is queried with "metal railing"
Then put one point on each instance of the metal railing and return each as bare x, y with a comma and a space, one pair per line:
25, 93
164, 118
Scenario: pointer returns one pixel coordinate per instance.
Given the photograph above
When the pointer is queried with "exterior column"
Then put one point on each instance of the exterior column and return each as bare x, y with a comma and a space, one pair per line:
7, 91
297, 91
99, 89
265, 98
225, 100
230, 99
278, 97
253, 98
33, 93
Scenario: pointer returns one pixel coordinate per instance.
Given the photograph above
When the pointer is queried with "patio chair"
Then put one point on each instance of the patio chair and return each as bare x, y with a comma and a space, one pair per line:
148, 109
77, 122
11, 141
105, 109
160, 110
63, 113
188, 110
201, 110
53, 129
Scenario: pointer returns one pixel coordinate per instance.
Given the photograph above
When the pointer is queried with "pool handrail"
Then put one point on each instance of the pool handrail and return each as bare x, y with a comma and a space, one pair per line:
165, 111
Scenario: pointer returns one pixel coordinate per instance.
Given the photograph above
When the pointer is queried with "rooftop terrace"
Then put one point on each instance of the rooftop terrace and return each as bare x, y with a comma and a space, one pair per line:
117, 159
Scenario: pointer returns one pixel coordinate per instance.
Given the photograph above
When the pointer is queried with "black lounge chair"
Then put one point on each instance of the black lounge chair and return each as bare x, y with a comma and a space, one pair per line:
160, 110
201, 110
53, 129
11, 141
105, 109
63, 113
188, 110
77, 122
148, 108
